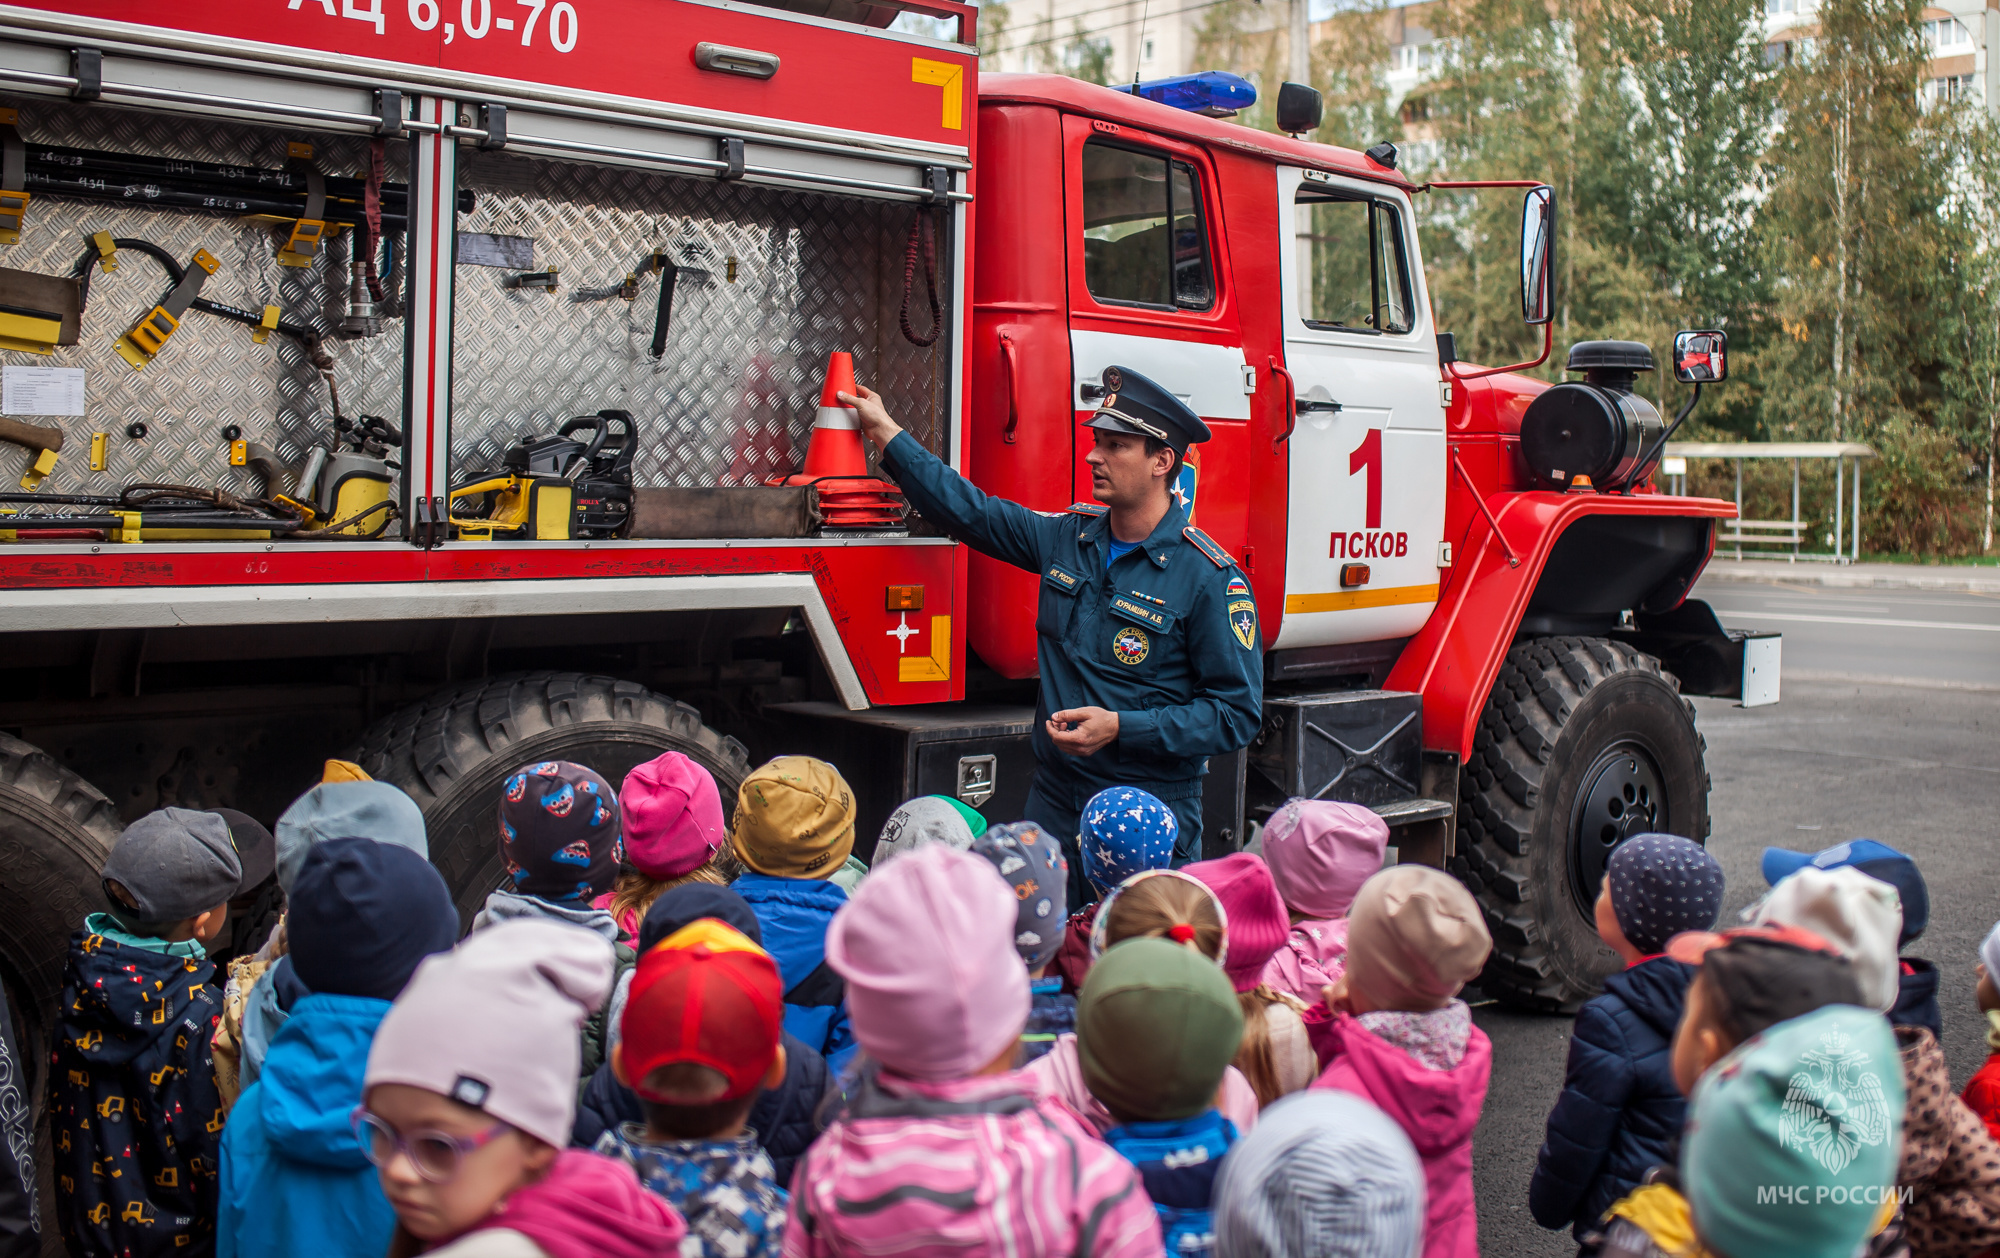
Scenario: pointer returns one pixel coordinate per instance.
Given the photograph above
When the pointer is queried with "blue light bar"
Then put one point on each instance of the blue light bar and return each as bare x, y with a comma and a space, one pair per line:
1214, 93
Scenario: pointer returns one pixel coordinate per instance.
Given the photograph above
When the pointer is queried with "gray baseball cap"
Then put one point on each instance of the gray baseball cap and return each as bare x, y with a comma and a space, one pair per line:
174, 864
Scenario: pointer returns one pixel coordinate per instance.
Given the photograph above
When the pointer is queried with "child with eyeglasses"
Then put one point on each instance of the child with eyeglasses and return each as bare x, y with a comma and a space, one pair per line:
469, 1099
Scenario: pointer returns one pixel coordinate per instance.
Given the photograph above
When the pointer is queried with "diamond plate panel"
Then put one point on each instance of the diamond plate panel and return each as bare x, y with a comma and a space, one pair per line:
210, 375
732, 399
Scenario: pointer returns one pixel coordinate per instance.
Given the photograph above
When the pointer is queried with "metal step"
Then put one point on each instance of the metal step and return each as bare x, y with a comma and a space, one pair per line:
1409, 812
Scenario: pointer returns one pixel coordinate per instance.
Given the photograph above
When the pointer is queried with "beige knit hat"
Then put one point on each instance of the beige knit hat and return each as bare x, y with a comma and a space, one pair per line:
1414, 937
794, 819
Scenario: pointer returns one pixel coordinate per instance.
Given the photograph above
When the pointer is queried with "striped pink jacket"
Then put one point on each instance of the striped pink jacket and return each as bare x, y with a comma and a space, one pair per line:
988, 1166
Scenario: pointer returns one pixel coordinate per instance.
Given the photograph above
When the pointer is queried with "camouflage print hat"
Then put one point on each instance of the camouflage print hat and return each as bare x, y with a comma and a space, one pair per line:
560, 831
794, 819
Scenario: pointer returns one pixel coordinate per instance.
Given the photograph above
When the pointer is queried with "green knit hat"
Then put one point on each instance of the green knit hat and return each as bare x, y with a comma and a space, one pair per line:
1156, 1025
973, 820
1792, 1139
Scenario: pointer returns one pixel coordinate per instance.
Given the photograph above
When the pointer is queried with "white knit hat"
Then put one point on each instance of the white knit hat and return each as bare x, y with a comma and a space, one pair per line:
1861, 917
1989, 954
493, 1023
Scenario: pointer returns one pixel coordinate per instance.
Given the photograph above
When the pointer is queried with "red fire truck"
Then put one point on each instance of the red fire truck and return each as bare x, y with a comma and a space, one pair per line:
419, 381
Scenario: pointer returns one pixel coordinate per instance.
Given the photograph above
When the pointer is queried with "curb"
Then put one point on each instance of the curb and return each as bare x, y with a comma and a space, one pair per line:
1860, 577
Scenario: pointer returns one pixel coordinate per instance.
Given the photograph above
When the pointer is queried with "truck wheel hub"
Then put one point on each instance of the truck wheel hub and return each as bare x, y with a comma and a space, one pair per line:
1621, 797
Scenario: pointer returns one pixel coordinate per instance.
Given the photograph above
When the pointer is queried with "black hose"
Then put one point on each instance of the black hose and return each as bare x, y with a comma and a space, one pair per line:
85, 265
340, 211
246, 180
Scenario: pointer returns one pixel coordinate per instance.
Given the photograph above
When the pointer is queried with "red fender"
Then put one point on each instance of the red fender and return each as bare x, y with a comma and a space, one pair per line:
1454, 658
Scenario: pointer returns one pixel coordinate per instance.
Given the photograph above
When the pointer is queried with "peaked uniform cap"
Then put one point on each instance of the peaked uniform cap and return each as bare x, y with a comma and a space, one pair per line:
1134, 404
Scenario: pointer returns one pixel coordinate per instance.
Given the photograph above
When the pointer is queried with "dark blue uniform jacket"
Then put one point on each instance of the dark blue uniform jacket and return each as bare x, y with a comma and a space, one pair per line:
1620, 1110
1168, 638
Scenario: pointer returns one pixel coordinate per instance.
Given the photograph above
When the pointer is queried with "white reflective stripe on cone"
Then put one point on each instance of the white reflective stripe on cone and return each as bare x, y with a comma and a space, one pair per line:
837, 417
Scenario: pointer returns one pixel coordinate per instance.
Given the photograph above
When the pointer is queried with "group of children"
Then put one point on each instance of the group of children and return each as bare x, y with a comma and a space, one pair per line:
1775, 1088
676, 1032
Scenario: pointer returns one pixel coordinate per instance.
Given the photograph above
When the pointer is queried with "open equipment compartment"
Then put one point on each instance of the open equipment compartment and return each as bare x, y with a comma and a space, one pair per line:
769, 281
211, 383
215, 175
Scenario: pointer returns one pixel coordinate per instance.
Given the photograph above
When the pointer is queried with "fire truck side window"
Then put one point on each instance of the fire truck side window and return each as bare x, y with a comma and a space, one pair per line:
1353, 269
1144, 241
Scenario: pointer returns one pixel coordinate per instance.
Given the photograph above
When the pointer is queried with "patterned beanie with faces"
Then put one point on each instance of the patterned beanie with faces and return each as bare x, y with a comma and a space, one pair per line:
560, 831
1031, 861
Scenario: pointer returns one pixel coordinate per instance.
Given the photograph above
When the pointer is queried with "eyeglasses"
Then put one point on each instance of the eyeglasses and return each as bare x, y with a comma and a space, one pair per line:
435, 1154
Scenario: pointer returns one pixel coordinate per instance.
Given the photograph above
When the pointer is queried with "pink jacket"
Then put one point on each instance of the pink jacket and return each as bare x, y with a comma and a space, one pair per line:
1313, 957
1437, 1109
1060, 1073
988, 1165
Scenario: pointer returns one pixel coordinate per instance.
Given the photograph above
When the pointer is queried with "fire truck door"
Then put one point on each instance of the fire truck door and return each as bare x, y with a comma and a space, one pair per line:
1367, 451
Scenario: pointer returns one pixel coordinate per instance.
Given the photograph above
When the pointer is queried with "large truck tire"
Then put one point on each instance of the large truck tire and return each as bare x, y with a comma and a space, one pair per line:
1584, 743
453, 751
55, 831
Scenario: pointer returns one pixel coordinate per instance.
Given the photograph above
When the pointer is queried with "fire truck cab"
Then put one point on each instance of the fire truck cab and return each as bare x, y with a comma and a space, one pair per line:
424, 382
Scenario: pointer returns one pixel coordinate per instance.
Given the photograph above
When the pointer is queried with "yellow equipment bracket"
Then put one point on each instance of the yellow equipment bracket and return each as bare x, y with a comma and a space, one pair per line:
38, 471
32, 334
98, 442
303, 244
149, 335
107, 251
265, 326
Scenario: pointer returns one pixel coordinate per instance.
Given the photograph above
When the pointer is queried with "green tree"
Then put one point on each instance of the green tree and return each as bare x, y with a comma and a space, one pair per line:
1857, 239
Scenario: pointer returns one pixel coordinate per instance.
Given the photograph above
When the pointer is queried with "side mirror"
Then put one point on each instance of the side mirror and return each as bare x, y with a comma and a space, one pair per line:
1538, 256
1299, 108
1701, 357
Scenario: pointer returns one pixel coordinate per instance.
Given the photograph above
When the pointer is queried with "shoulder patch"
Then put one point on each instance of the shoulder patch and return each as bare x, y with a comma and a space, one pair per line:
1208, 546
1087, 508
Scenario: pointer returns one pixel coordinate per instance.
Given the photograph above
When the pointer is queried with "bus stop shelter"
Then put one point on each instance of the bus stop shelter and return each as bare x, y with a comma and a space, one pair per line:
1793, 532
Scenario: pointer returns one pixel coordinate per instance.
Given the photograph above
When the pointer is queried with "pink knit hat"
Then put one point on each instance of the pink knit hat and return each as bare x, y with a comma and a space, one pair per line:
494, 1023
1258, 923
673, 816
1320, 852
935, 989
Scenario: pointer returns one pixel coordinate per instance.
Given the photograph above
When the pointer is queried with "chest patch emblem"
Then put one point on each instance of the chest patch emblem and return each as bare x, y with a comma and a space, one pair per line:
1243, 620
1129, 645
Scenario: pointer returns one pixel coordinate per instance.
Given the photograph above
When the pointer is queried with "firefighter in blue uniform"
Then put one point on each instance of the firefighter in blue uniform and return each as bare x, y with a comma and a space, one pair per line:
1151, 658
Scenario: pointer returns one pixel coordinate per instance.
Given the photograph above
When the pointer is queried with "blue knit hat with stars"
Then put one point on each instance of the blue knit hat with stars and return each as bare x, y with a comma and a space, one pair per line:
1125, 831
1661, 885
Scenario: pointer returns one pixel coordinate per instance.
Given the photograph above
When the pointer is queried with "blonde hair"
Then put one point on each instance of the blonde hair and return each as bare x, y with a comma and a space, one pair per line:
1154, 906
634, 892
1254, 1057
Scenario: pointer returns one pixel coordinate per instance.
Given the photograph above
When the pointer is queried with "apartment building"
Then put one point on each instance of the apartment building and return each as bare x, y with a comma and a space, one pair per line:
1958, 34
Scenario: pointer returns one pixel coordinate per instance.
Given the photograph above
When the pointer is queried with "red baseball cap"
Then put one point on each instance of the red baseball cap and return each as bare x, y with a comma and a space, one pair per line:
704, 995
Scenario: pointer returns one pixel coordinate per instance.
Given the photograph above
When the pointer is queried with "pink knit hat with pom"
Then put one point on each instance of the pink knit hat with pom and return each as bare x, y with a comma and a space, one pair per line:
1320, 852
673, 816
935, 989
1257, 919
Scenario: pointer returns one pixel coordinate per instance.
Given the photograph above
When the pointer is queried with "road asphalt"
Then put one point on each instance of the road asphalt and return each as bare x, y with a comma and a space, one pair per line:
1913, 761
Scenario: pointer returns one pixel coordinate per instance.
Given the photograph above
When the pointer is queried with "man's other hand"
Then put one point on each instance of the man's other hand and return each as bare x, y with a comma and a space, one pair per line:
1082, 731
875, 419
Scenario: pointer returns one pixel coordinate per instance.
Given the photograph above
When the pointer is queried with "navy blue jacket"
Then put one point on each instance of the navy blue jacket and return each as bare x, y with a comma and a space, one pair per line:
1167, 637
133, 1106
785, 1118
1916, 998
1620, 1109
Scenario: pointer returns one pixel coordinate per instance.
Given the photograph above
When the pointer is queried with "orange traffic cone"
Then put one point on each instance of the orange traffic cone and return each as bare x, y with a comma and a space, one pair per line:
836, 448
837, 462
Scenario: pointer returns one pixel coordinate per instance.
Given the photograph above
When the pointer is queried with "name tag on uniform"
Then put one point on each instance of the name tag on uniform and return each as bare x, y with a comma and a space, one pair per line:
1066, 581
1142, 611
